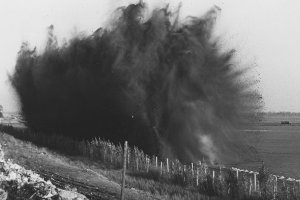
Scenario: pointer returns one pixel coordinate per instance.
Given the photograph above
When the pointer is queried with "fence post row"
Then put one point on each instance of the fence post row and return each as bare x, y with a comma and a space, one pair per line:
199, 171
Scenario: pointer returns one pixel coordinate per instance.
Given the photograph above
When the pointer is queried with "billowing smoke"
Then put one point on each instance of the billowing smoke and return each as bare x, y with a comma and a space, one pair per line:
164, 85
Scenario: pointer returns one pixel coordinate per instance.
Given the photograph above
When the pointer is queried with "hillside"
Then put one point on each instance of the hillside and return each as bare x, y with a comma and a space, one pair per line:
19, 183
93, 179
62, 171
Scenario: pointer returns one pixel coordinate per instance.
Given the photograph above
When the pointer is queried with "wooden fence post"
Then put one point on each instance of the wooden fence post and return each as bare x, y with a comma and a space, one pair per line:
137, 163
298, 181
104, 155
124, 171
193, 170
255, 182
172, 170
168, 170
275, 187
110, 151
220, 174
148, 163
128, 157
197, 176
250, 186
184, 169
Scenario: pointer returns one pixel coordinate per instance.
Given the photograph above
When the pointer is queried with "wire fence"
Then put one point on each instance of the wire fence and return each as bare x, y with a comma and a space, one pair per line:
208, 179
220, 180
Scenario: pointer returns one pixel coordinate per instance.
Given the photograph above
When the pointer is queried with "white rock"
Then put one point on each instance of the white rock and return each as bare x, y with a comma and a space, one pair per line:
3, 195
69, 195
12, 175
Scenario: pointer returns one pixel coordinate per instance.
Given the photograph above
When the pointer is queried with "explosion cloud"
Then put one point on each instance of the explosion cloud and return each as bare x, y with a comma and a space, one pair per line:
165, 86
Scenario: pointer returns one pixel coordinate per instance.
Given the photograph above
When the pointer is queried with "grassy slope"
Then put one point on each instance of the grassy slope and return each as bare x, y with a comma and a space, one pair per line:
93, 179
63, 170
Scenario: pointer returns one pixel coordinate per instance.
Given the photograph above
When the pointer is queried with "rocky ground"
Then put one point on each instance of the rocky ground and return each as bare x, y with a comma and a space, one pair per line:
90, 178
19, 183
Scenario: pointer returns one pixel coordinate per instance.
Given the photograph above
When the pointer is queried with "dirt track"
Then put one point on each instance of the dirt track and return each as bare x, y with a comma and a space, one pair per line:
63, 172
90, 191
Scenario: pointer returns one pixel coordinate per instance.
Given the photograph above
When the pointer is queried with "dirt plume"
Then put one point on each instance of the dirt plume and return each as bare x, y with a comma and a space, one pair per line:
163, 84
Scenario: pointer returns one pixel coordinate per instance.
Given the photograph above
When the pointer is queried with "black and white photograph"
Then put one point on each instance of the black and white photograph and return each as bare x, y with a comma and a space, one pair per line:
149, 99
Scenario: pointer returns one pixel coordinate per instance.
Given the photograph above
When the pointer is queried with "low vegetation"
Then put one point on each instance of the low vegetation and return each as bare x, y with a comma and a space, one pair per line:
168, 178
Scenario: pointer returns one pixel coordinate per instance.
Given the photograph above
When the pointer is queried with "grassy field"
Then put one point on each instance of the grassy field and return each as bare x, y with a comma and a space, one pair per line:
94, 178
277, 145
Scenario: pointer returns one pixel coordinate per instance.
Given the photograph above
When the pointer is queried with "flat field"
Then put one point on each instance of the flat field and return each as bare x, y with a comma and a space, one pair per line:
277, 145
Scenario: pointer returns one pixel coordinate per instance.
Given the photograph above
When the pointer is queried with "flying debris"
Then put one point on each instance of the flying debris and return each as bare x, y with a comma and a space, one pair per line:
165, 85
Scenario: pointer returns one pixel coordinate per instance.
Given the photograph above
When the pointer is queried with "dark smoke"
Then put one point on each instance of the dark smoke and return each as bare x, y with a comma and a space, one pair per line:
165, 86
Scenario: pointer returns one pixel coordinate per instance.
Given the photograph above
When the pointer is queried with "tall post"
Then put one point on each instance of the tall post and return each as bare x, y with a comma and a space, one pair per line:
250, 186
124, 171
193, 170
197, 176
275, 187
184, 169
161, 169
168, 170
220, 174
148, 163
137, 163
172, 170
255, 181
156, 161
128, 158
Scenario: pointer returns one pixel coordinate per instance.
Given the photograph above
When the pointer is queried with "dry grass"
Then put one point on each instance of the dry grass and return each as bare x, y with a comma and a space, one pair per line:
105, 158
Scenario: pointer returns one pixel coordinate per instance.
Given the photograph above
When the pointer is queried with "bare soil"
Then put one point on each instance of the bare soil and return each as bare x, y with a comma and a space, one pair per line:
65, 172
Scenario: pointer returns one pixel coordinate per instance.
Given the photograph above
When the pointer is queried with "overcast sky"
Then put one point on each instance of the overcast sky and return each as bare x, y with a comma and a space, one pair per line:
265, 33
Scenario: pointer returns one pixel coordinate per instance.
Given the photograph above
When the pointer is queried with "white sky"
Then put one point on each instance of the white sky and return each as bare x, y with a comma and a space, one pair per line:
266, 33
